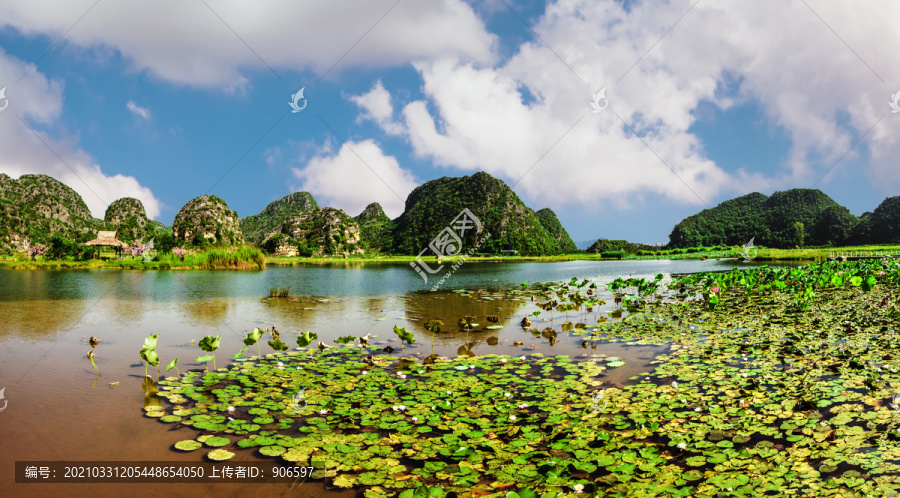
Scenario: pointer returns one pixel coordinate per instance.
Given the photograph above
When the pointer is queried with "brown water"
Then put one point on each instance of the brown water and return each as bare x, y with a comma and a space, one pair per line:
58, 409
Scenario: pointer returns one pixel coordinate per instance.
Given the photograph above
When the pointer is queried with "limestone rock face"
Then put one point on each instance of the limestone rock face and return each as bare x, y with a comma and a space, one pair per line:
326, 231
127, 217
258, 228
37, 207
207, 217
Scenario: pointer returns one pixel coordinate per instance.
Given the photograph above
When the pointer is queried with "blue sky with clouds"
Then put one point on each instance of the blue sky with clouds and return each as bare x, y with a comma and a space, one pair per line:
169, 100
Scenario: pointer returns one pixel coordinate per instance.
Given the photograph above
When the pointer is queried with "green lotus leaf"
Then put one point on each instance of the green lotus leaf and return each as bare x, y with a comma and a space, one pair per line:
188, 445
215, 442
220, 455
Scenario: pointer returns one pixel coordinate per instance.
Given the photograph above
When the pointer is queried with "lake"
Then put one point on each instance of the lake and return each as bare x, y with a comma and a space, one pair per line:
58, 409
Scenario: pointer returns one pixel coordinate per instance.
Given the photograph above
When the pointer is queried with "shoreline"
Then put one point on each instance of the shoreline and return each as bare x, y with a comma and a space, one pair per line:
762, 255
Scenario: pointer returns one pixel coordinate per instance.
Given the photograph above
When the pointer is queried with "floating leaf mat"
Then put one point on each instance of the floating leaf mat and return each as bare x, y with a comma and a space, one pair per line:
767, 400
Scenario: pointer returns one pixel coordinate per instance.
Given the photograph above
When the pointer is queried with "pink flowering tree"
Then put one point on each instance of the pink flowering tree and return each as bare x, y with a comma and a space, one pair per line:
179, 252
36, 250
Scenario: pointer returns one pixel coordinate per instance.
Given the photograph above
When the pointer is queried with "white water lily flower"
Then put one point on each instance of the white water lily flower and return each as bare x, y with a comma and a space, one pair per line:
683, 401
471, 367
895, 402
697, 409
280, 365
578, 488
674, 384
502, 360
415, 419
230, 409
364, 372
522, 357
512, 418
421, 371
507, 395
323, 412
682, 446
523, 405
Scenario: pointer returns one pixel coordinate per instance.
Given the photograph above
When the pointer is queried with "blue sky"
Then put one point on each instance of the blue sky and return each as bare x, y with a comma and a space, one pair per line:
166, 101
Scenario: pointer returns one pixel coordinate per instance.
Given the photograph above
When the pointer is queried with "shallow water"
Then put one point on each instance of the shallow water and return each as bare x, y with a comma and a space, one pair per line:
58, 409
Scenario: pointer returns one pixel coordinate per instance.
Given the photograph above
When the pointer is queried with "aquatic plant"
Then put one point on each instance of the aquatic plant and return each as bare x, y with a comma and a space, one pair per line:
307, 338
210, 344
90, 356
148, 353
172, 364
253, 338
404, 335
433, 326
277, 345
279, 292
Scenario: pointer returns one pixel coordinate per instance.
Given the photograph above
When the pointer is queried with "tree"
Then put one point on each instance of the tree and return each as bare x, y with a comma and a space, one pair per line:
799, 233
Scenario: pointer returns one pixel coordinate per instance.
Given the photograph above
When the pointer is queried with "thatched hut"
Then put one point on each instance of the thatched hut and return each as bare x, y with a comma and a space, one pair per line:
106, 239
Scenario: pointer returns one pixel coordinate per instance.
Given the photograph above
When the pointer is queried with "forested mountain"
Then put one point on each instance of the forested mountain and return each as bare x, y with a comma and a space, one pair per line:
784, 219
376, 229
549, 220
432, 206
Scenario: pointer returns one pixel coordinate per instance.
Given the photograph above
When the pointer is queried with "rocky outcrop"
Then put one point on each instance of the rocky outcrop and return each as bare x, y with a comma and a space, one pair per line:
207, 219
326, 231
37, 207
260, 227
127, 217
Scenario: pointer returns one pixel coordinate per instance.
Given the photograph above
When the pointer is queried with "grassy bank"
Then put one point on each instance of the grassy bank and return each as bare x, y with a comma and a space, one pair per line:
241, 258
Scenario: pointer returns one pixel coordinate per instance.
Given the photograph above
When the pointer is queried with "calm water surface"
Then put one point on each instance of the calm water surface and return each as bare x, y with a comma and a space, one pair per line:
58, 409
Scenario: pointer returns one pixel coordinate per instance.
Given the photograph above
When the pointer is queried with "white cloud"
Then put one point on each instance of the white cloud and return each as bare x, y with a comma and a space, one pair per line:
138, 111
186, 42
39, 103
787, 60
377, 107
357, 175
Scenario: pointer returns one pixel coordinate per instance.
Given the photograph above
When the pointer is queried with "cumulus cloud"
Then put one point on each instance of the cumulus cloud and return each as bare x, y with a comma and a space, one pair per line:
357, 174
376, 106
199, 48
138, 111
520, 117
28, 149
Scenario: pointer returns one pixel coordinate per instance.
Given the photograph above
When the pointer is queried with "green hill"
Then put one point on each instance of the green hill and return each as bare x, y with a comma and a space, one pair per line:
771, 221
376, 229
432, 206
258, 227
37, 207
549, 220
